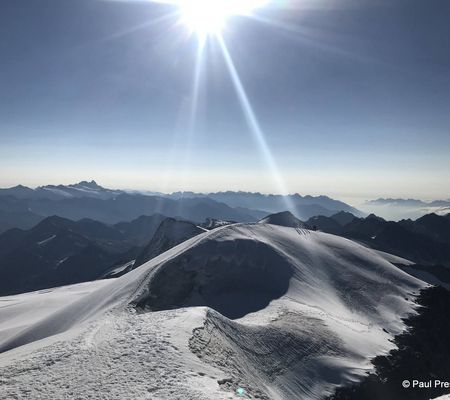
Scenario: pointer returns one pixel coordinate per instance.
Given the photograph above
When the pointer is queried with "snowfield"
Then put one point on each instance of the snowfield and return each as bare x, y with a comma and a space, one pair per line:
283, 313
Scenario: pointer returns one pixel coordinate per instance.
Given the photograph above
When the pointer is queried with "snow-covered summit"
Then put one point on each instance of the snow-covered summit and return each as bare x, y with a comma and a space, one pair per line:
282, 312
284, 218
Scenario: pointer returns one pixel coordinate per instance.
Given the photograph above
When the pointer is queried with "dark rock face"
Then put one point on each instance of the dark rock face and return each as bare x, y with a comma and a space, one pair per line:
422, 354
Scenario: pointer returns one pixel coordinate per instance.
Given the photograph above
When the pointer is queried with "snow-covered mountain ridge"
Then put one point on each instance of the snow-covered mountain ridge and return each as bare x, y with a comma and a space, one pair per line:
296, 313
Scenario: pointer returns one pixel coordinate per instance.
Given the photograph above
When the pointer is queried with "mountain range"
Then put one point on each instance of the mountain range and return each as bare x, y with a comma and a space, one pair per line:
58, 192
22, 207
425, 241
409, 202
124, 207
397, 209
276, 311
58, 251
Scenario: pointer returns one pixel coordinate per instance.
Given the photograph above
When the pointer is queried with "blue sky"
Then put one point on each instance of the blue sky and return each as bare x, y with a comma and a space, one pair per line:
353, 98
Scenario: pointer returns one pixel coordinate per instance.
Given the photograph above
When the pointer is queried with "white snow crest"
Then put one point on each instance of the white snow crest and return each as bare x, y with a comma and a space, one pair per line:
310, 310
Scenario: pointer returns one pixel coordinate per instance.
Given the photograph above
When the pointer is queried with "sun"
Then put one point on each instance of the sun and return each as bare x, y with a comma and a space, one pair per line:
208, 17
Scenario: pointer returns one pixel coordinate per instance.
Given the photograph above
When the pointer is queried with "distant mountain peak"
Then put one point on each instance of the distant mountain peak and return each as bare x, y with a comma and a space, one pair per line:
53, 221
375, 217
343, 217
284, 218
92, 184
430, 216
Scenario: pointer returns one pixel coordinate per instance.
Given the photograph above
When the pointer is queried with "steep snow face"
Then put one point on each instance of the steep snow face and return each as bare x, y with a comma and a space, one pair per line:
169, 233
323, 306
285, 218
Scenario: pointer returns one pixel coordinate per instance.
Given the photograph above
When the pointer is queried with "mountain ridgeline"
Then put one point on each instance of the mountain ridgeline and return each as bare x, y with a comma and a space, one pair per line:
61, 235
169, 233
23, 207
58, 251
423, 241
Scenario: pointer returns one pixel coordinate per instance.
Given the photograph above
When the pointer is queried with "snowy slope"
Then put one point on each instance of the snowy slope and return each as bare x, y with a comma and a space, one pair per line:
169, 233
284, 218
310, 309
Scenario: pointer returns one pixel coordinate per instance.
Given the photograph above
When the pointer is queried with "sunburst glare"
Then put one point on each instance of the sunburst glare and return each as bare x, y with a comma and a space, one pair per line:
208, 17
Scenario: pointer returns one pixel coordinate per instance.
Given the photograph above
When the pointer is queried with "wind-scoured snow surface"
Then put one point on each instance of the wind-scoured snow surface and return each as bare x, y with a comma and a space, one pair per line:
283, 313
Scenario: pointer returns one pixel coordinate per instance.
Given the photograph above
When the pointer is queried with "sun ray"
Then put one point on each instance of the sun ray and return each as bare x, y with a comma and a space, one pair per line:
206, 18
253, 123
192, 117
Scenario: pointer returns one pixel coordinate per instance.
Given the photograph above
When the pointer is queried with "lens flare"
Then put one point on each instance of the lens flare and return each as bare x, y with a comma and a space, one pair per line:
208, 17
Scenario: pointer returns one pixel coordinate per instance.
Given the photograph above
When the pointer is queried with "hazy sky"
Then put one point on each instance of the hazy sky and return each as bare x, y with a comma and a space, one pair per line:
353, 97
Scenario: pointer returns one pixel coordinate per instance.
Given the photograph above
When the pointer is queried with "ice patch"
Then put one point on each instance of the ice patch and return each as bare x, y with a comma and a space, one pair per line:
45, 241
